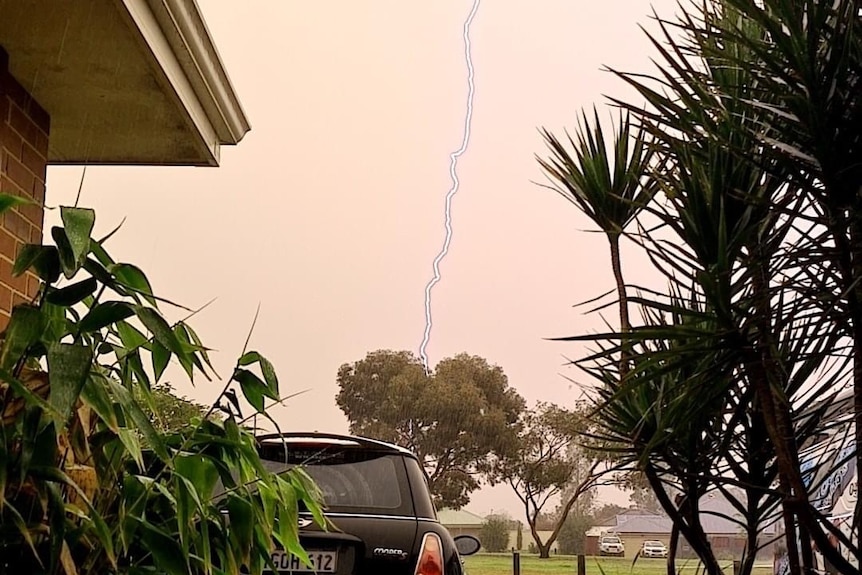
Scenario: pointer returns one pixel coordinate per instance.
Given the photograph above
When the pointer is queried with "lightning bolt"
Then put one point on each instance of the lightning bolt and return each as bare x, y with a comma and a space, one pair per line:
453, 173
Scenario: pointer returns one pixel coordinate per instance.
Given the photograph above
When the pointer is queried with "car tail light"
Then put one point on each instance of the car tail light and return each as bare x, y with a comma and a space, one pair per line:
431, 556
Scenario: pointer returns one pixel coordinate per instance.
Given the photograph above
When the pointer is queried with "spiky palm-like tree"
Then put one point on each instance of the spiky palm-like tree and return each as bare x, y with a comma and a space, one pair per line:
607, 183
755, 116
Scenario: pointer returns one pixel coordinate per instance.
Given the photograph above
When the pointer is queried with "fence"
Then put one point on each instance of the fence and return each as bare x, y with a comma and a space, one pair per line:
581, 565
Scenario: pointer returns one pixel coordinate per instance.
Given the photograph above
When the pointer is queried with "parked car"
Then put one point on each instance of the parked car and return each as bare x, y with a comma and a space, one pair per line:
654, 549
377, 497
611, 545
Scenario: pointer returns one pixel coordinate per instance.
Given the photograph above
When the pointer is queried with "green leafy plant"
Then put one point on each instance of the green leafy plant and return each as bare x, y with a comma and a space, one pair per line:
494, 534
87, 483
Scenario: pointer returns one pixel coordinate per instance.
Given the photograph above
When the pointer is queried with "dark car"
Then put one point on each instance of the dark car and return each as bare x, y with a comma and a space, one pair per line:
377, 497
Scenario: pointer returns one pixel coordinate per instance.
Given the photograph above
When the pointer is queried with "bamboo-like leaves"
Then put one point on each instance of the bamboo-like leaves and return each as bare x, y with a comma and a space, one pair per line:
113, 493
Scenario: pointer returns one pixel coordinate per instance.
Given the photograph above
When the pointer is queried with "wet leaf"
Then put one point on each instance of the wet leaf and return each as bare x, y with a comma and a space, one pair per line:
140, 420
133, 278
131, 336
8, 201
72, 294
132, 445
241, 517
68, 264
105, 314
44, 260
160, 329
94, 395
68, 368
161, 357
25, 328
253, 388
166, 551
78, 224
199, 470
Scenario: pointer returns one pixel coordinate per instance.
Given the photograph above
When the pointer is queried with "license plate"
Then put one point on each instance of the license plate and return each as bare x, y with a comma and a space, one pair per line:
321, 562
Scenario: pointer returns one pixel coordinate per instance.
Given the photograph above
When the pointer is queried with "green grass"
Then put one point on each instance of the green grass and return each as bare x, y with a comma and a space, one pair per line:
501, 564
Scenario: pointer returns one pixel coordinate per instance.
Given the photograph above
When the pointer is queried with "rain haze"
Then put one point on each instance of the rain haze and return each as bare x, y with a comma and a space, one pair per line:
330, 211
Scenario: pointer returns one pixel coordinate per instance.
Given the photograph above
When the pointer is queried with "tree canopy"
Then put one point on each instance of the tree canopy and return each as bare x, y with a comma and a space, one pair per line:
454, 418
549, 462
169, 412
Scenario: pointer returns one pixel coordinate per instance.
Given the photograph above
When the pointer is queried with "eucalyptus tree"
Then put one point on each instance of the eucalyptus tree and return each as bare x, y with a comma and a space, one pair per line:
456, 419
551, 461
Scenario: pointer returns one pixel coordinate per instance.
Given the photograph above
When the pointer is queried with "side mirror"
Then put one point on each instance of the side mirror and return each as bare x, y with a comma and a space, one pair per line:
467, 545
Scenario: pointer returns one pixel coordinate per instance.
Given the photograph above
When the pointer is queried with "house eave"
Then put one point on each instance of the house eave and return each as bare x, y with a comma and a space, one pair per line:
192, 45
124, 82
178, 41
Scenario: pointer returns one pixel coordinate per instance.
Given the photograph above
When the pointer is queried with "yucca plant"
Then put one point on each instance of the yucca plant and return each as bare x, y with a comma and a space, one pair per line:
745, 115
606, 182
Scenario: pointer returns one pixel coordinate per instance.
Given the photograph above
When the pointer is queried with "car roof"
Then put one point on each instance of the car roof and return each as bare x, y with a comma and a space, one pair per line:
316, 437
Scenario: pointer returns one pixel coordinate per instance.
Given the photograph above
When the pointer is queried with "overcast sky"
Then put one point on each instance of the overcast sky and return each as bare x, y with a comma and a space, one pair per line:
329, 213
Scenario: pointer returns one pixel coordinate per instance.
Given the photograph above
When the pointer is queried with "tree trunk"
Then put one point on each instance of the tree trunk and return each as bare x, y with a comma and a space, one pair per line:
623, 302
672, 549
679, 515
761, 368
538, 540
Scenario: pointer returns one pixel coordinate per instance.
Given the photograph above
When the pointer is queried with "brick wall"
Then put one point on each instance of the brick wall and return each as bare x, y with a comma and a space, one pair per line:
24, 128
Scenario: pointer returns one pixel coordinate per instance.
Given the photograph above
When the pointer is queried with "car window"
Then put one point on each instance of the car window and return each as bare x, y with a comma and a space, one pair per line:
351, 480
372, 483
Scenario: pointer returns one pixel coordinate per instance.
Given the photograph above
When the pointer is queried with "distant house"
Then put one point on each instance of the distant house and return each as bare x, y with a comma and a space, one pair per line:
635, 526
461, 522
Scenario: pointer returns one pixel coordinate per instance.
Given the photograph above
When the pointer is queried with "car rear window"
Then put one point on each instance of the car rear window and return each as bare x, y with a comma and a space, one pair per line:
351, 480
372, 483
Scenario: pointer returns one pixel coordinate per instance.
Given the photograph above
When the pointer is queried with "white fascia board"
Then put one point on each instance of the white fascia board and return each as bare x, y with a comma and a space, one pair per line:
177, 39
165, 59
186, 30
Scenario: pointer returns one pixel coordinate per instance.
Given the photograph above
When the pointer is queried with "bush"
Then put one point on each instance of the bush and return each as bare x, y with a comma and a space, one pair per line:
495, 533
573, 535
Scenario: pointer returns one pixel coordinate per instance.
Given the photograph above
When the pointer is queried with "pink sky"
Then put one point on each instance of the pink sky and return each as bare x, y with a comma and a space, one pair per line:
330, 212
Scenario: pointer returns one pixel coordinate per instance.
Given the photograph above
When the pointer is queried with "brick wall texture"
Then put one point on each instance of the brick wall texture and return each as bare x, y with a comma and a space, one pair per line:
24, 128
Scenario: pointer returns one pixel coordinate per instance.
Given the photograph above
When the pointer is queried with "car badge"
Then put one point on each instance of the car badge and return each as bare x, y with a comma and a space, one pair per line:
303, 522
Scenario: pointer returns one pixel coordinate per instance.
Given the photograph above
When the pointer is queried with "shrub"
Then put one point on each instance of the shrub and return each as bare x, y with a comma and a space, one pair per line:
495, 533
87, 484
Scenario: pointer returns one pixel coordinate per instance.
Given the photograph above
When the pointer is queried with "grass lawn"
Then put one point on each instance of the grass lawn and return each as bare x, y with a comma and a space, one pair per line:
501, 564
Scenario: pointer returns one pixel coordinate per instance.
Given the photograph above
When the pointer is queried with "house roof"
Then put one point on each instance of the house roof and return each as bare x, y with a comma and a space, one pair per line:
124, 81
643, 524
459, 518
716, 517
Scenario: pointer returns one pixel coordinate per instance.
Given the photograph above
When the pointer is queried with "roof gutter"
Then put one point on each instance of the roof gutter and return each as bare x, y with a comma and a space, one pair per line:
178, 40
186, 31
